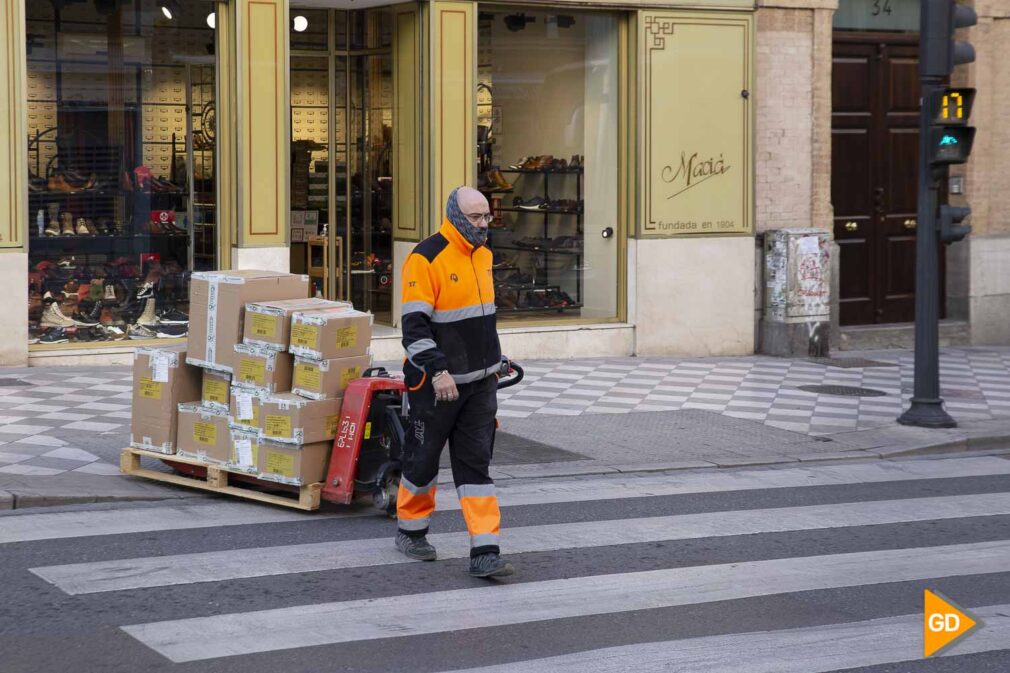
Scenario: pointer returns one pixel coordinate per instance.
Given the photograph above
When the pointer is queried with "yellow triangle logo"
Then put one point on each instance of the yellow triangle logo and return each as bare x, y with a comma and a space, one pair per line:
942, 623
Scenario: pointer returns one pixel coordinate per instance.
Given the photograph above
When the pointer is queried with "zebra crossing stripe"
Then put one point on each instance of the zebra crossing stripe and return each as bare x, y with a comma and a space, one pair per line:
203, 638
819, 649
117, 575
539, 492
33, 527
90, 523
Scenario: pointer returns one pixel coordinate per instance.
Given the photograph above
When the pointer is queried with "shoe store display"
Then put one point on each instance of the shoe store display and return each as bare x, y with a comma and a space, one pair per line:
148, 316
53, 316
171, 331
54, 335
173, 316
140, 332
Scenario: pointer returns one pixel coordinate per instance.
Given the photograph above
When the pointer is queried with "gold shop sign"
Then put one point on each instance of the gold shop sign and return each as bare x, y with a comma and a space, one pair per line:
697, 109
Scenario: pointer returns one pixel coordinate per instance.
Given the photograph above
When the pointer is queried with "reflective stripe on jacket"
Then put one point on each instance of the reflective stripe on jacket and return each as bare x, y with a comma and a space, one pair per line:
448, 311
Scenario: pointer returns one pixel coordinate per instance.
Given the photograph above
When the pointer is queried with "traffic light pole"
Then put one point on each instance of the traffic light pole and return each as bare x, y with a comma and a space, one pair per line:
927, 406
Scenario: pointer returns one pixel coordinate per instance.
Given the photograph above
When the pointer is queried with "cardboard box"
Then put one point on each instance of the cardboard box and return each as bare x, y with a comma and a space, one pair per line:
161, 380
328, 335
327, 379
244, 412
292, 419
295, 464
204, 434
268, 323
217, 302
214, 392
262, 369
244, 449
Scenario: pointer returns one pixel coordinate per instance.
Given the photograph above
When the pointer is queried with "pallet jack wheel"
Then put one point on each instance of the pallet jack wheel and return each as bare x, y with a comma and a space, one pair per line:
384, 497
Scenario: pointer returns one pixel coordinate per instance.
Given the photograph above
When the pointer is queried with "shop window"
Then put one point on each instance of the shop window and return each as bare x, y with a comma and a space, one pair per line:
122, 194
341, 158
547, 105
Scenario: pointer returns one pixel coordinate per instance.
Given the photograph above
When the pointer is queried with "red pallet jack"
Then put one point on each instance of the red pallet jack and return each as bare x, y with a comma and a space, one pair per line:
364, 462
370, 437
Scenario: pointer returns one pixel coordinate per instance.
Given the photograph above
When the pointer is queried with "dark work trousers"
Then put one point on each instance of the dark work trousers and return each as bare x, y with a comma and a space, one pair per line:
468, 423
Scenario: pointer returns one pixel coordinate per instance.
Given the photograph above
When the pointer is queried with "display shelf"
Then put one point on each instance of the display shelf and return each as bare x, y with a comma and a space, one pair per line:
539, 211
541, 171
549, 251
538, 309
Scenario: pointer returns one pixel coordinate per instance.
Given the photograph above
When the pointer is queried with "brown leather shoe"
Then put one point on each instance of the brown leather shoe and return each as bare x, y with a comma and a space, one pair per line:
499, 180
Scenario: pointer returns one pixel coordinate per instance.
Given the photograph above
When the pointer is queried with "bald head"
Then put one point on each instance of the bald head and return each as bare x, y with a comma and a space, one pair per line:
471, 201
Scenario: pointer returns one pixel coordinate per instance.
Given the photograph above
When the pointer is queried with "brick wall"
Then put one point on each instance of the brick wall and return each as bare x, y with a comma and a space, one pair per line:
784, 125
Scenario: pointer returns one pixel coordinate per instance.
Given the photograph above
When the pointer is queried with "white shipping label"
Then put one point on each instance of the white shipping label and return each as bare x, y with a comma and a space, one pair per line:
160, 367
245, 408
243, 451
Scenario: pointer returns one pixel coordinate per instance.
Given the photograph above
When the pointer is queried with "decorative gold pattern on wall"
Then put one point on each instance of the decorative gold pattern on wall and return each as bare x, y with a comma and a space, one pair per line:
697, 165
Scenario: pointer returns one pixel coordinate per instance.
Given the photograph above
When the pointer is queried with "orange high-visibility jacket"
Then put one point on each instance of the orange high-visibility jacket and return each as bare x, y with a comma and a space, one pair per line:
448, 312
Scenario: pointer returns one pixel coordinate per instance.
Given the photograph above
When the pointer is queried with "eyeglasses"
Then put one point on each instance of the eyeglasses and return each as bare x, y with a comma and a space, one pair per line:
477, 218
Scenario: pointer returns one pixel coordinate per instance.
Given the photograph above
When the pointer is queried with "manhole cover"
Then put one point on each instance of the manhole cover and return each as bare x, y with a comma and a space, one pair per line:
852, 363
7, 383
844, 391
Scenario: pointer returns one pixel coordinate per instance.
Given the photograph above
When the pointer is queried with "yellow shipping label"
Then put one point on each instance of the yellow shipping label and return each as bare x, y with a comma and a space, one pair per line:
204, 433
281, 463
307, 376
349, 375
215, 390
277, 426
304, 335
150, 389
331, 424
347, 336
264, 325
252, 370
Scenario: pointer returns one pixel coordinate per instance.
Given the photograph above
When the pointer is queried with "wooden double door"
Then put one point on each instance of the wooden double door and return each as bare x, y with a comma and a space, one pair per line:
874, 174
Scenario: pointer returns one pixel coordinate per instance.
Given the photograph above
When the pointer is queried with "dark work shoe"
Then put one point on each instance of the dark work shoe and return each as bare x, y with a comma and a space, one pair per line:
416, 548
490, 564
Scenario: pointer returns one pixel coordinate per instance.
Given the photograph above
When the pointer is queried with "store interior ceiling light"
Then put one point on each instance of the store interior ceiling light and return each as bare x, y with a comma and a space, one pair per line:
517, 22
169, 8
301, 23
211, 20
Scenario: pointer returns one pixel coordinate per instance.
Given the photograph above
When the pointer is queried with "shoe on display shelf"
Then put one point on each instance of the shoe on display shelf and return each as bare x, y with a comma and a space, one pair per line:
53, 228
536, 203
115, 333
148, 316
52, 316
145, 291
173, 316
110, 293
171, 331
67, 263
140, 332
54, 335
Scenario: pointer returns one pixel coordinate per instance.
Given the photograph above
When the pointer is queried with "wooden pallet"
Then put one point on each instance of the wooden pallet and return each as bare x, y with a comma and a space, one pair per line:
216, 480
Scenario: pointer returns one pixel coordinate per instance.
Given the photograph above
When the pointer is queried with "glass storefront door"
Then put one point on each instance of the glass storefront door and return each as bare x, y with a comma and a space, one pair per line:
342, 139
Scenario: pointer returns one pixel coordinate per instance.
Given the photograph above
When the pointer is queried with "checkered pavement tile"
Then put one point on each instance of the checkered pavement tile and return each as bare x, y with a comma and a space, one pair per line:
975, 382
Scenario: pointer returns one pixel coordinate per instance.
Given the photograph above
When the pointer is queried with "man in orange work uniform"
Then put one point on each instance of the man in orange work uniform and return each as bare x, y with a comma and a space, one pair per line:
453, 354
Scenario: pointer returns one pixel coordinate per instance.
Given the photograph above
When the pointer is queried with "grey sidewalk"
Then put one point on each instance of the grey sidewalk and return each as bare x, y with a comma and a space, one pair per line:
61, 429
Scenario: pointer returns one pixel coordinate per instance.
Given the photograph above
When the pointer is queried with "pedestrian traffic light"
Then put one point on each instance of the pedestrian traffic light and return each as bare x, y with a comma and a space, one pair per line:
951, 229
940, 52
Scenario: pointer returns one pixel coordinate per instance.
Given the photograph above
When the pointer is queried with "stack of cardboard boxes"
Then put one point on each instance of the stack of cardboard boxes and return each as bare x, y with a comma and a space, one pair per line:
237, 395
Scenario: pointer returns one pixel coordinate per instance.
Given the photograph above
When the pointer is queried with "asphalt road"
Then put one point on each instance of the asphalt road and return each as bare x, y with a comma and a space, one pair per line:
792, 570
